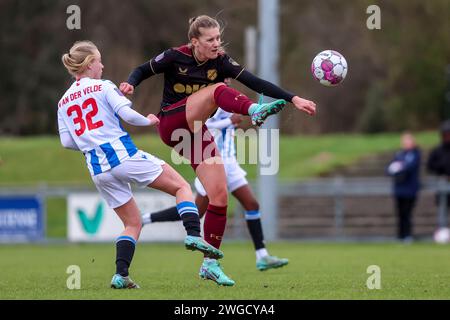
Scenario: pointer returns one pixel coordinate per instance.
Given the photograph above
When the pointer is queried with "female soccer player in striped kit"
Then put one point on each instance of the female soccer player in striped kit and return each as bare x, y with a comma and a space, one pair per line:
88, 121
193, 88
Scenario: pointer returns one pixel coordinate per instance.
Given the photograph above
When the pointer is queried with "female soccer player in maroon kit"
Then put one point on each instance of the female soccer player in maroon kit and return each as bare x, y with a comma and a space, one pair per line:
193, 89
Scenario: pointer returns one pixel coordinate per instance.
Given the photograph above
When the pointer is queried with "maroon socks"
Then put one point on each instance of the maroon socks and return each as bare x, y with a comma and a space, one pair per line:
232, 100
214, 225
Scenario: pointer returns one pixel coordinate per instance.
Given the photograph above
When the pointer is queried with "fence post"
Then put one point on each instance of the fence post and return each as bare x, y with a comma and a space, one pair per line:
442, 207
42, 192
338, 184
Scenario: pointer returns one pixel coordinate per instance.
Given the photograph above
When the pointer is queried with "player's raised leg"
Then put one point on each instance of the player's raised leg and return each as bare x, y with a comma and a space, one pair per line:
229, 100
264, 261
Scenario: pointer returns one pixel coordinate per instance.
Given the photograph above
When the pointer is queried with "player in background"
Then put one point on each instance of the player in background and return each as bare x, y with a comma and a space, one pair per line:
222, 125
89, 116
193, 88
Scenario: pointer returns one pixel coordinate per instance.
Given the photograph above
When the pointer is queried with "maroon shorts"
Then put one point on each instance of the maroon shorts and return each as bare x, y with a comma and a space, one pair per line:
174, 131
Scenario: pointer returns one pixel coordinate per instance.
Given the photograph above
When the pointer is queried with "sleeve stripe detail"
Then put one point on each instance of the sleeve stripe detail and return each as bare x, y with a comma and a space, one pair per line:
239, 73
151, 67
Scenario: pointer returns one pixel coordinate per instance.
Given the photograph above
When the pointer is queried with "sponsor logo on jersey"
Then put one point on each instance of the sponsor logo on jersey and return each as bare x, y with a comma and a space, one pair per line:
188, 89
211, 74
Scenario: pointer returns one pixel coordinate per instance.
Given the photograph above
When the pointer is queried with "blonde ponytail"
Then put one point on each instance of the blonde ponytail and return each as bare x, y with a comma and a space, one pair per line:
79, 57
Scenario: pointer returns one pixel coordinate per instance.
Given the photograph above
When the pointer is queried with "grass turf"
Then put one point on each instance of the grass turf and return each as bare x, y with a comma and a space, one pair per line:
167, 271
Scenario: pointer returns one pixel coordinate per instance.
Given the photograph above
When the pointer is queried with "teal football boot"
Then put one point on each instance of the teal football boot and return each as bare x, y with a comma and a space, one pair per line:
198, 243
211, 270
120, 282
270, 262
260, 111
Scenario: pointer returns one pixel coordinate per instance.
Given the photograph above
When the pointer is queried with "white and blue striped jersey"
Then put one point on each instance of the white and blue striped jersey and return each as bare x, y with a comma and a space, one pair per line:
222, 128
88, 111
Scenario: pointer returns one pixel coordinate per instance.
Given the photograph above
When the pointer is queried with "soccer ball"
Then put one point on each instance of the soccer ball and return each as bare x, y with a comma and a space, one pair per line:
442, 235
329, 67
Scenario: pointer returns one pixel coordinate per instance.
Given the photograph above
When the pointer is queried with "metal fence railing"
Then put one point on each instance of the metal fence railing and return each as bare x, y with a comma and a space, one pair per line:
335, 190
338, 190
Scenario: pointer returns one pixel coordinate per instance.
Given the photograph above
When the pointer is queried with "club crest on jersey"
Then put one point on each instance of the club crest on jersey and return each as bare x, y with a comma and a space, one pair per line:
211, 74
182, 71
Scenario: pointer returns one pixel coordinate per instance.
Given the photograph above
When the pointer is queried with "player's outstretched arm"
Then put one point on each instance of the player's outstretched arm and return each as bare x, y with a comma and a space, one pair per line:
304, 105
135, 118
153, 119
269, 89
126, 88
138, 75
123, 108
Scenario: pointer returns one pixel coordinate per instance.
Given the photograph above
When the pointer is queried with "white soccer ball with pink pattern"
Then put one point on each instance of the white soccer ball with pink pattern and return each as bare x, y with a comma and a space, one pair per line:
329, 67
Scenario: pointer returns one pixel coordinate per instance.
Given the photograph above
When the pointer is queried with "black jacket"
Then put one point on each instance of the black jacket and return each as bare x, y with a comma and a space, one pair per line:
439, 160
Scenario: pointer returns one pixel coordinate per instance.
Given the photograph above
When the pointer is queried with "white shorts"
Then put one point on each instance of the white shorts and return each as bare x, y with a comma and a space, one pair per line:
114, 185
235, 177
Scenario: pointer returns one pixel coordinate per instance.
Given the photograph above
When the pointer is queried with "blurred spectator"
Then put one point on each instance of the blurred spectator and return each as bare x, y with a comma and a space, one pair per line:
439, 161
405, 170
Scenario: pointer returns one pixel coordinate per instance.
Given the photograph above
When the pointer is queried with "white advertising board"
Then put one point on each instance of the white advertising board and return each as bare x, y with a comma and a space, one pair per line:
90, 218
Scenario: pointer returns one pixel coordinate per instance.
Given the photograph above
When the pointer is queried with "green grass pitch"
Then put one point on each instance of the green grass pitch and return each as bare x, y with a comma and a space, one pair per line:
168, 271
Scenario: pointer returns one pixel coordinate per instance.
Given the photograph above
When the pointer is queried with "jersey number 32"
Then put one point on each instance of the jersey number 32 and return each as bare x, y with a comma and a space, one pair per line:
88, 122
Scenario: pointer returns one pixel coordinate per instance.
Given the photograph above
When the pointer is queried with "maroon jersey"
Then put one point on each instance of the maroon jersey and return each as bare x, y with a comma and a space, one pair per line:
184, 75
